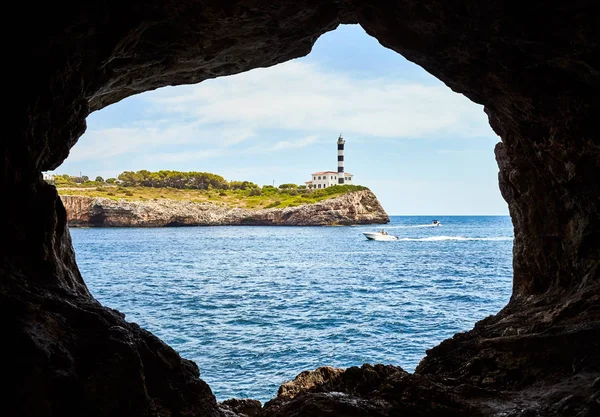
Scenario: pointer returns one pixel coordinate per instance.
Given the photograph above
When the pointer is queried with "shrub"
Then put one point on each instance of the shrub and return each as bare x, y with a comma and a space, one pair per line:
111, 180
274, 204
223, 194
254, 192
287, 186
100, 189
99, 179
111, 194
128, 193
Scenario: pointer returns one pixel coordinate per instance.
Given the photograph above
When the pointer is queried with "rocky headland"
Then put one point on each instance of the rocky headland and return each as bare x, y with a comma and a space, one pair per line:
358, 207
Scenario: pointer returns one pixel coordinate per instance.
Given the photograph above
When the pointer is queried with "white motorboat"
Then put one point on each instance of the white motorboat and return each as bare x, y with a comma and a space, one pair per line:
436, 223
379, 236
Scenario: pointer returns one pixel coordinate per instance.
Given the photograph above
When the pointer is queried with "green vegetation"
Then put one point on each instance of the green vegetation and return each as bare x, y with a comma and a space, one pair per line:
179, 180
197, 187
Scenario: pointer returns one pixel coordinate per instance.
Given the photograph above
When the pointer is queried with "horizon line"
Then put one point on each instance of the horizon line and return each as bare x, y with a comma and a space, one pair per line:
447, 215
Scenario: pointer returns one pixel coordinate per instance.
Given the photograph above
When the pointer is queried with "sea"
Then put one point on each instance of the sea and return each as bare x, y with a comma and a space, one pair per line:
254, 306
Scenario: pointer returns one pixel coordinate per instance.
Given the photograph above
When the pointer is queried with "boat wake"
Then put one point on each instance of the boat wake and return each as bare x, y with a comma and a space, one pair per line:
440, 238
416, 226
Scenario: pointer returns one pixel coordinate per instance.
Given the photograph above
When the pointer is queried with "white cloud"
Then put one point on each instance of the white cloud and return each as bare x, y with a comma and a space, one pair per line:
302, 100
294, 144
300, 96
179, 157
143, 137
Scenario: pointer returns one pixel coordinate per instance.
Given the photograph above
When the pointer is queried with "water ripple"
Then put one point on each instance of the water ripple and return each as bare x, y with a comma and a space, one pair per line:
254, 306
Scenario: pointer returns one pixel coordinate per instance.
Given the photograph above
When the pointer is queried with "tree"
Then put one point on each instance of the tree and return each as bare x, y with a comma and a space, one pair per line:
63, 180
175, 179
129, 178
111, 180
287, 186
242, 185
99, 179
85, 178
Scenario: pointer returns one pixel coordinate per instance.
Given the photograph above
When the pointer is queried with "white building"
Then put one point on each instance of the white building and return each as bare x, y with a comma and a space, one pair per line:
324, 179
48, 177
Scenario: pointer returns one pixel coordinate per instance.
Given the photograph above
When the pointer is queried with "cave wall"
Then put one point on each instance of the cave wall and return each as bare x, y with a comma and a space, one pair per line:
533, 65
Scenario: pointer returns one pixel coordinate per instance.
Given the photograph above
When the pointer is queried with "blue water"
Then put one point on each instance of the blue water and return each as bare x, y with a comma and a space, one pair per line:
254, 306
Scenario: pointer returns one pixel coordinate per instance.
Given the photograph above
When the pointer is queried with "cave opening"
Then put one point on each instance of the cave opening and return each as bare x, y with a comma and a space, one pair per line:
422, 149
533, 66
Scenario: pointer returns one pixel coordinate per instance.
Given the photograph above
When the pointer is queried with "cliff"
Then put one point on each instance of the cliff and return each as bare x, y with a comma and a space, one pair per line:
359, 207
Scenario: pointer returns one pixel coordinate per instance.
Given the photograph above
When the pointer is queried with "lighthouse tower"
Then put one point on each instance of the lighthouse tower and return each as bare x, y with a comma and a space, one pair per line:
340, 174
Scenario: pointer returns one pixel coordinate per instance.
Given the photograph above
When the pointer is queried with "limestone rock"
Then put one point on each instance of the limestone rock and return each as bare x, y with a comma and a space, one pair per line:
358, 207
308, 381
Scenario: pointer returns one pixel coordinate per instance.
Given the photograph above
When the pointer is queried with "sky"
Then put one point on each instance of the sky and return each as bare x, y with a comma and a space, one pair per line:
420, 147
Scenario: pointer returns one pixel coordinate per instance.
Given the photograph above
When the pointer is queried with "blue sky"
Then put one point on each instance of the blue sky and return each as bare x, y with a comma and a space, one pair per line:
420, 147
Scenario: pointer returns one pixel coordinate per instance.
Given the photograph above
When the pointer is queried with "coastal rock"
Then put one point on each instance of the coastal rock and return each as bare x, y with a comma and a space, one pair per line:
532, 65
358, 207
114, 367
308, 381
377, 390
241, 407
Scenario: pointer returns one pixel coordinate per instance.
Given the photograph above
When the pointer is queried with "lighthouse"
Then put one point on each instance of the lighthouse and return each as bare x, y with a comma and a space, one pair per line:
325, 179
340, 172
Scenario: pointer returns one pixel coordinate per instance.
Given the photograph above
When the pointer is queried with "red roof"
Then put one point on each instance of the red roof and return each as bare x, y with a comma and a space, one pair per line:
328, 172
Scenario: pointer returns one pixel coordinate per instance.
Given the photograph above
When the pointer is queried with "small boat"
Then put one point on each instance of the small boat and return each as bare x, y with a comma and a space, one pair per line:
379, 236
436, 223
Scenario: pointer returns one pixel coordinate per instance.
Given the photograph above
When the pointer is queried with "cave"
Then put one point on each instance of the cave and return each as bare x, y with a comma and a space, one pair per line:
533, 66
